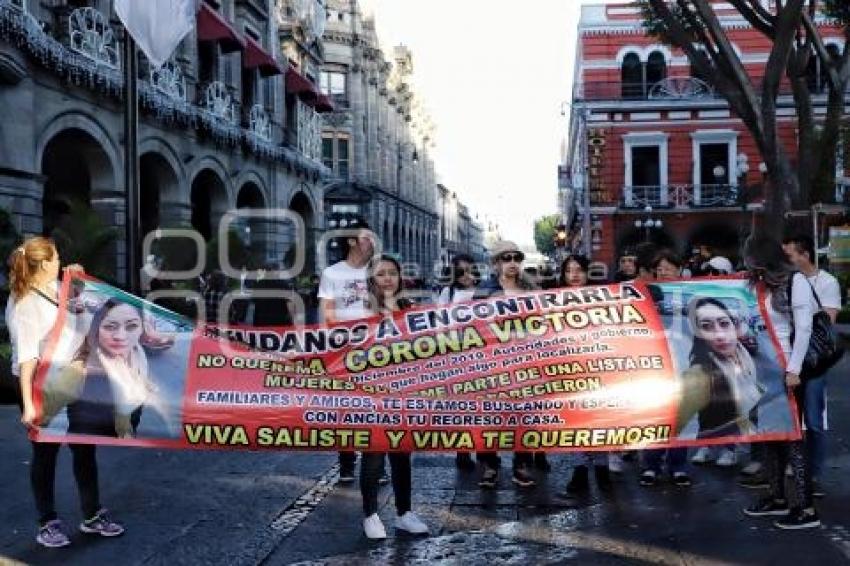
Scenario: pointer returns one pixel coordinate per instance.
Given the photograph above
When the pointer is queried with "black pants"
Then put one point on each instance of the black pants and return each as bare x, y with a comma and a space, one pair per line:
491, 459
779, 455
371, 469
347, 461
43, 476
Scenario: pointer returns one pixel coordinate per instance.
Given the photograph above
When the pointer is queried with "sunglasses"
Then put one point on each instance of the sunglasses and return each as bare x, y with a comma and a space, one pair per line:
515, 257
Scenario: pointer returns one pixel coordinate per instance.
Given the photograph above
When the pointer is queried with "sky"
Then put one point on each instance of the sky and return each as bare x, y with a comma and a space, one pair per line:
493, 74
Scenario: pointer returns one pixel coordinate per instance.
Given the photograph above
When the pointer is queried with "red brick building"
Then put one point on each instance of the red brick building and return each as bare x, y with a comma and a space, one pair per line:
659, 150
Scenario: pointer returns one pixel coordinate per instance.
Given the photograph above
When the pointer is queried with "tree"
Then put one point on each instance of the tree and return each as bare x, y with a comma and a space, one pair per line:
544, 234
694, 27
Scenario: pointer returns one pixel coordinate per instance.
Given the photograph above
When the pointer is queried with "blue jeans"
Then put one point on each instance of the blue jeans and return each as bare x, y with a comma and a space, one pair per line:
814, 405
677, 459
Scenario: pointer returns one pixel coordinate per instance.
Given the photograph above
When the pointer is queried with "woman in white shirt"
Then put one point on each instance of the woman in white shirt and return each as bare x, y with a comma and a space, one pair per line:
30, 314
462, 288
792, 316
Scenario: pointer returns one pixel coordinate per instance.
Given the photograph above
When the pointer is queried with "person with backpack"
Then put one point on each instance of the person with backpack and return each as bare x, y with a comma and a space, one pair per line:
791, 307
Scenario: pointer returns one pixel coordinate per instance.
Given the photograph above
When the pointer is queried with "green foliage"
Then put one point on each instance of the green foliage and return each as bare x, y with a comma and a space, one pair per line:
544, 234
83, 237
655, 26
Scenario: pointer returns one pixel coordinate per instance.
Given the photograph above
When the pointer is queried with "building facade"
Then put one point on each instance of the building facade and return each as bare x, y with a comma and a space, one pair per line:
378, 141
654, 153
460, 232
236, 122
215, 132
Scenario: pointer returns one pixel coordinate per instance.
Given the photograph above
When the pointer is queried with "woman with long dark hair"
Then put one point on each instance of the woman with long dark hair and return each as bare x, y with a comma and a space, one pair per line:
107, 384
464, 277
791, 306
722, 372
384, 284
575, 273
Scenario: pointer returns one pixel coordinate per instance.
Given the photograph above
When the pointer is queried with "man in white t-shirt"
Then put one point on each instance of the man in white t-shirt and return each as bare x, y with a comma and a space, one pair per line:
344, 295
800, 251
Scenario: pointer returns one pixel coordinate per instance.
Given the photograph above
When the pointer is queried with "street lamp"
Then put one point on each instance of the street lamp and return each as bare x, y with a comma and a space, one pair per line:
648, 223
582, 111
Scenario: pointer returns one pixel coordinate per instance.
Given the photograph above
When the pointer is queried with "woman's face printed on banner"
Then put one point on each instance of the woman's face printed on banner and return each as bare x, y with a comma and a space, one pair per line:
120, 330
575, 275
387, 278
717, 327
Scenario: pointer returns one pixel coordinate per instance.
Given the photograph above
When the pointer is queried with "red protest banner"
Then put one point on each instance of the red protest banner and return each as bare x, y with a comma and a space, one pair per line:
595, 368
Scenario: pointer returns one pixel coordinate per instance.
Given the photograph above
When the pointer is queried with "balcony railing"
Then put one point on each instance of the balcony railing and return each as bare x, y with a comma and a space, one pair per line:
671, 89
680, 196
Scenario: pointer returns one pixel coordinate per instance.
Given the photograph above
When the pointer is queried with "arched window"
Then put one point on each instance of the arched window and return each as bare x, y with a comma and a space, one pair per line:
656, 69
695, 71
632, 77
812, 73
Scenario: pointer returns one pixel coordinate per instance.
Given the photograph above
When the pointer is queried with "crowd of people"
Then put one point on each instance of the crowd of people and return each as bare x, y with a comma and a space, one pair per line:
364, 285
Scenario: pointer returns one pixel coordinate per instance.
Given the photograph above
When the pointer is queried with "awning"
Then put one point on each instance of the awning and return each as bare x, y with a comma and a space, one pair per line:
324, 104
299, 85
212, 27
255, 57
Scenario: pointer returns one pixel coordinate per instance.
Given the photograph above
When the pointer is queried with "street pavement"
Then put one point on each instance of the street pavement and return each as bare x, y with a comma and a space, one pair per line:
243, 508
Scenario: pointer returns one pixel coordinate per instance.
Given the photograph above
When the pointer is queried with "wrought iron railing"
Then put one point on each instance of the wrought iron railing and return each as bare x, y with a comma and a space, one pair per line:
680, 196
672, 89
89, 57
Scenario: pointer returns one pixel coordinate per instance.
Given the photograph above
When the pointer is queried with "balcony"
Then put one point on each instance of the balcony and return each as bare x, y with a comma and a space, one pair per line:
671, 89
680, 197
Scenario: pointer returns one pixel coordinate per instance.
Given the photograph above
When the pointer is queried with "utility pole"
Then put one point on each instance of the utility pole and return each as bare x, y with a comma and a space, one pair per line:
131, 164
585, 165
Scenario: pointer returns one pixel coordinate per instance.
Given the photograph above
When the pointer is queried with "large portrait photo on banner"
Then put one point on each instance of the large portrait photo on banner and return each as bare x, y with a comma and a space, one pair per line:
730, 367
117, 367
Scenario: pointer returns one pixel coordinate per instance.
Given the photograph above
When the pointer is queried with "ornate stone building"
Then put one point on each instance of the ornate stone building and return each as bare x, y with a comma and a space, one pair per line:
378, 140
224, 125
460, 233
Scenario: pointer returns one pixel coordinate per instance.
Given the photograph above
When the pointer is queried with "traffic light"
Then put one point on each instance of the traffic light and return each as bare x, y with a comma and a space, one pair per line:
561, 236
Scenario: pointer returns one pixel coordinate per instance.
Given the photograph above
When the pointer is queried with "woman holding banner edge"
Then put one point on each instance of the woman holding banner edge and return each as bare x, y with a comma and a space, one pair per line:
791, 306
31, 312
384, 285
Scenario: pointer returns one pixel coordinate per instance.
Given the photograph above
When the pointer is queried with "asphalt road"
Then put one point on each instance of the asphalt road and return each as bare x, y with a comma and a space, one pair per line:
223, 508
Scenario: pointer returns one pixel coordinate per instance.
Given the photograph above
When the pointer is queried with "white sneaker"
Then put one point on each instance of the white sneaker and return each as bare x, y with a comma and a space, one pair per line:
411, 523
752, 468
615, 463
374, 528
727, 458
703, 456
